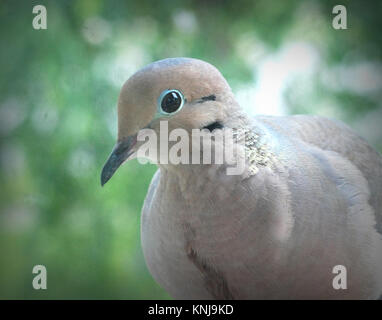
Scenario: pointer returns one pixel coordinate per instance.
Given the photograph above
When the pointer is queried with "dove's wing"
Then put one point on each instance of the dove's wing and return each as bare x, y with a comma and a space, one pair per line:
338, 139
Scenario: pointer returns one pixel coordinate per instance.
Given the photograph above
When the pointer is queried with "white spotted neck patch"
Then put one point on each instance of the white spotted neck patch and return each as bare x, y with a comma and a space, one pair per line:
257, 153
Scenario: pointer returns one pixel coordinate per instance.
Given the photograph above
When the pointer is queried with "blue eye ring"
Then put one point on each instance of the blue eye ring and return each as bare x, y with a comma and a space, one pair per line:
176, 93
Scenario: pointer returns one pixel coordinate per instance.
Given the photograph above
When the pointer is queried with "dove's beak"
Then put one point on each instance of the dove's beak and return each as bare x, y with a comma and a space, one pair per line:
121, 152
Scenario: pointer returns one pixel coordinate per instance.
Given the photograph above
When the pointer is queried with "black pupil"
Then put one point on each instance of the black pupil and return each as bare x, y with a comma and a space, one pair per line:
171, 102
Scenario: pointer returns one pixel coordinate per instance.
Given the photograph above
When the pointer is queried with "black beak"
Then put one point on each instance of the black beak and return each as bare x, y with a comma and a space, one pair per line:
121, 151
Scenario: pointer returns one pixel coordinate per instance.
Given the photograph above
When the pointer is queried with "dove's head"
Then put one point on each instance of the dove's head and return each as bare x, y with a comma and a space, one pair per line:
187, 93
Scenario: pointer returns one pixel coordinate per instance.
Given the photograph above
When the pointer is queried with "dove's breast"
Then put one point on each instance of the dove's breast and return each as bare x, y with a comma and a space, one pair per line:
217, 245
163, 235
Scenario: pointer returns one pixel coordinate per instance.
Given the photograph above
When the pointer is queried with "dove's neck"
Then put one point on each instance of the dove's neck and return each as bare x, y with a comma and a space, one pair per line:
242, 157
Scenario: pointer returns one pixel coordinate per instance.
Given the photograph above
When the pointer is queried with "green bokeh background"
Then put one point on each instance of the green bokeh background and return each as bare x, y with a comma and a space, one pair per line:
58, 94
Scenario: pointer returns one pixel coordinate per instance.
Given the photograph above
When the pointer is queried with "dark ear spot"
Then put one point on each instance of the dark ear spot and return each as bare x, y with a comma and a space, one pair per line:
214, 125
212, 97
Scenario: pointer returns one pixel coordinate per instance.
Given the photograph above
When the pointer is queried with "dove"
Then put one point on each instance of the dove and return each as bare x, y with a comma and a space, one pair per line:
302, 220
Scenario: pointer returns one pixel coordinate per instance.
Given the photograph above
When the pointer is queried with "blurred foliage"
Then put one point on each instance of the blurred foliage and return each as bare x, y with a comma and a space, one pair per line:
58, 92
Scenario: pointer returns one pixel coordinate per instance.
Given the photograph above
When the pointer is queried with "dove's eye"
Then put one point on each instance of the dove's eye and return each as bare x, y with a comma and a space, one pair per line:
170, 102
